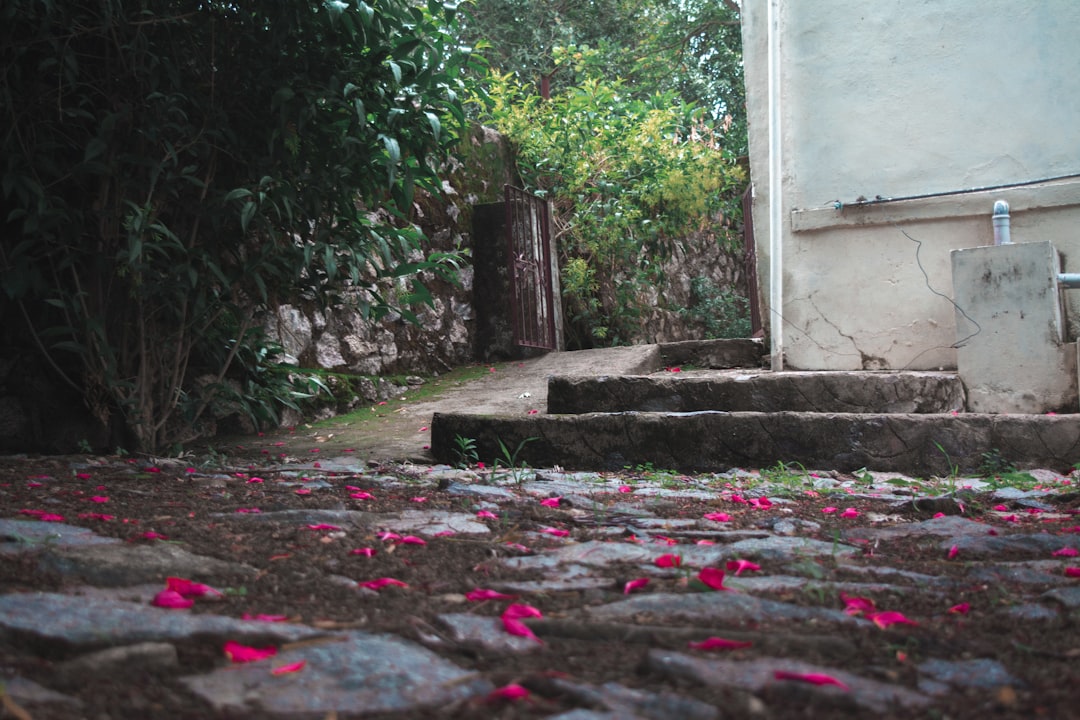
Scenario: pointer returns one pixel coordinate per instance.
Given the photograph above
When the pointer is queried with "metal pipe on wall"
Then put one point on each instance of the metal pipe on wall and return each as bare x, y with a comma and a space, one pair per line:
776, 234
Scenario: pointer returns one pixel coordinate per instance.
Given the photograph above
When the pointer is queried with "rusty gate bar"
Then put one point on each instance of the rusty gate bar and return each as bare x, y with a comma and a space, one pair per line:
529, 264
750, 263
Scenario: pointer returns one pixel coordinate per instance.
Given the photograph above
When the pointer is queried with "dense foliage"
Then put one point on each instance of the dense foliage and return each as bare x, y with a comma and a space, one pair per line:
690, 47
633, 163
171, 167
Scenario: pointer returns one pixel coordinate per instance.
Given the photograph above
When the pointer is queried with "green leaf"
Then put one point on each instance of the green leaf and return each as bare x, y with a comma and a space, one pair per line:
436, 124
335, 8
367, 14
237, 194
95, 148
246, 213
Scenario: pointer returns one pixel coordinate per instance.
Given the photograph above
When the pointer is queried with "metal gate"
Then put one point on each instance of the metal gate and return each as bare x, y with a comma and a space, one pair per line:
529, 258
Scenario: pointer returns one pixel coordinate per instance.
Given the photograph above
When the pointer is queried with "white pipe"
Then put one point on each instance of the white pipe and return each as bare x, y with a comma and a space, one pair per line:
776, 236
1000, 218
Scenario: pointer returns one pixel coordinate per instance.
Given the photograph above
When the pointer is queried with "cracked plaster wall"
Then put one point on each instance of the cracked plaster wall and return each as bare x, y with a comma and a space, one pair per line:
898, 98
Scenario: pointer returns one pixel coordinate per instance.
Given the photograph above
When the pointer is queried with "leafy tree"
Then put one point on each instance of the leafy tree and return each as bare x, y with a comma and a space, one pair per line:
693, 47
171, 167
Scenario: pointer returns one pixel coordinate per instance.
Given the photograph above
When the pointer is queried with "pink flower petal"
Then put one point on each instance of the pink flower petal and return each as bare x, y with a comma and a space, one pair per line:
556, 532
718, 643
303, 491
366, 551
718, 517
386, 536
961, 609
953, 552
739, 566
362, 495
380, 583
481, 594
290, 668
635, 585
520, 610
248, 511
511, 620
172, 600
419, 499
83, 476
625, 489
1001, 508
413, 540
189, 589
487, 514
739, 499
99, 499
238, 653
704, 542
761, 503
829, 510
1066, 552
712, 577
507, 693
148, 535
811, 678
516, 627
889, 617
323, 526
517, 546
1011, 518
1072, 572
849, 513
855, 605
255, 480
939, 515
666, 561
551, 502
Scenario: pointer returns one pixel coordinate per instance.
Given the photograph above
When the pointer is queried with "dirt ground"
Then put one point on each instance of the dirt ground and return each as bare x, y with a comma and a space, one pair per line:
297, 566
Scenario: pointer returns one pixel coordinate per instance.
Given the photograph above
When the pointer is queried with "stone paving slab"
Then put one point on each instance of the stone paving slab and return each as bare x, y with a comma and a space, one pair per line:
724, 607
17, 536
756, 675
122, 565
374, 673
55, 620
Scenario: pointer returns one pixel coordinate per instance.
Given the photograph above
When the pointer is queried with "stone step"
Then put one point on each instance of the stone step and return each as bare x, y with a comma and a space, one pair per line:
915, 444
759, 391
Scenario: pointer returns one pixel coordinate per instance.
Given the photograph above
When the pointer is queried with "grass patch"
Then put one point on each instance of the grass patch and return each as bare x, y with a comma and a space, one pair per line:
432, 388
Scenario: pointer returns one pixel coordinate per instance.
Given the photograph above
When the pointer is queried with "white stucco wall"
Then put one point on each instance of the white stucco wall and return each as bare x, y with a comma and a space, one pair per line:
899, 98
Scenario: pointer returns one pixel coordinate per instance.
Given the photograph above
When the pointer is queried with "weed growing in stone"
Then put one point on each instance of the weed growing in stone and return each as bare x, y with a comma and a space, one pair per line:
517, 473
465, 451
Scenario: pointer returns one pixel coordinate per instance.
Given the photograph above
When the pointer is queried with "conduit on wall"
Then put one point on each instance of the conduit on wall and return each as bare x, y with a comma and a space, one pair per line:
776, 236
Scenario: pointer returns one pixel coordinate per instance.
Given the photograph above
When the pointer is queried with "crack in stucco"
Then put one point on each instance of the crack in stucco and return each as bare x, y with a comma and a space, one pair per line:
864, 358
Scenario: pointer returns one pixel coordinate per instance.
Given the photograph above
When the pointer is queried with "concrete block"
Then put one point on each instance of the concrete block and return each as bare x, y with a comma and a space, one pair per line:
1011, 352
